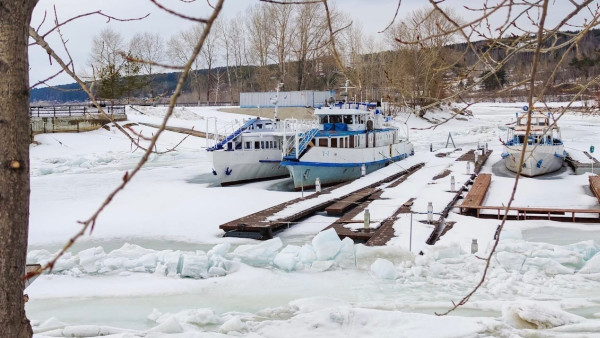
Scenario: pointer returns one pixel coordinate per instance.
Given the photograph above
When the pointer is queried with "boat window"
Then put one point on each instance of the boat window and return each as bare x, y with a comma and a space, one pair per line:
262, 144
323, 119
268, 126
256, 145
248, 145
335, 119
322, 142
348, 119
259, 126
334, 143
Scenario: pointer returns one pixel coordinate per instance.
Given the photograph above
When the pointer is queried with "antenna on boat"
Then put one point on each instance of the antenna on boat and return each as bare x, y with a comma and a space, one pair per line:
345, 93
275, 100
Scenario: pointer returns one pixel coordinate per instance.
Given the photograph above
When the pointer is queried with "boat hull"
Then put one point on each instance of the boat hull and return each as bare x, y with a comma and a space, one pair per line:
335, 165
233, 167
539, 160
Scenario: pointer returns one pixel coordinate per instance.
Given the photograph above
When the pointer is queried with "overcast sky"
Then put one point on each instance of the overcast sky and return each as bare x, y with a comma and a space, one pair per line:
373, 15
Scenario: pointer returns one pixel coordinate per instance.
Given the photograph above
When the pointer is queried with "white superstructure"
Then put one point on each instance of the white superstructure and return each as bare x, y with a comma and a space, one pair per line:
545, 150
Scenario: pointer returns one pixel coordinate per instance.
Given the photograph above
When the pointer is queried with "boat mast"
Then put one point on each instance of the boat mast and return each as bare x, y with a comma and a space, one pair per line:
275, 101
345, 93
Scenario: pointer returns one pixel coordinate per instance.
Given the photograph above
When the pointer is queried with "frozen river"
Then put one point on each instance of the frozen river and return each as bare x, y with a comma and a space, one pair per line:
125, 278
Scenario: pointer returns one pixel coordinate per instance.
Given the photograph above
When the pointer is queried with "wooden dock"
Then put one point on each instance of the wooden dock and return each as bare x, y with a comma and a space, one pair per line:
595, 186
474, 199
580, 168
260, 225
477, 193
441, 226
541, 213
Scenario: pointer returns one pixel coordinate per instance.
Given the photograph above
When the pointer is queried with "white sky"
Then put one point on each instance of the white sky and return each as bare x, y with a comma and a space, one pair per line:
373, 15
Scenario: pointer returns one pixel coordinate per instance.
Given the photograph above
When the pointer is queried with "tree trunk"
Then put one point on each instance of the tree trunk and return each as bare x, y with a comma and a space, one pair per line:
15, 16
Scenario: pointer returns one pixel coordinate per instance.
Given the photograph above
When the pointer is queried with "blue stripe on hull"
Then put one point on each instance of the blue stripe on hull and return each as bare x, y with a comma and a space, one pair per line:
305, 173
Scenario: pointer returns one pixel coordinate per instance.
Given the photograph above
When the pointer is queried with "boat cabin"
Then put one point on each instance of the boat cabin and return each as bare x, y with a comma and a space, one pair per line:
542, 132
352, 125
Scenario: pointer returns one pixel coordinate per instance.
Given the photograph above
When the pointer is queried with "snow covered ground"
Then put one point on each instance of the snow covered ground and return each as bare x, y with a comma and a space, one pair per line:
157, 264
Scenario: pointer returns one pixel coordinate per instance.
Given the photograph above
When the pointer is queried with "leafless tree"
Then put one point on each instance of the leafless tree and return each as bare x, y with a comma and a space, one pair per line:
149, 49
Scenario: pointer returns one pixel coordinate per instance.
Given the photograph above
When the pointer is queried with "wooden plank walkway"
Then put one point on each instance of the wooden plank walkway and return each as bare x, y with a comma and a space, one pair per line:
372, 237
586, 167
258, 226
541, 213
441, 226
342, 206
595, 186
477, 193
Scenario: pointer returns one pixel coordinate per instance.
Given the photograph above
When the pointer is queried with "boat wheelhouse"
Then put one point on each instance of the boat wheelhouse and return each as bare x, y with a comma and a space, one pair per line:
545, 150
352, 139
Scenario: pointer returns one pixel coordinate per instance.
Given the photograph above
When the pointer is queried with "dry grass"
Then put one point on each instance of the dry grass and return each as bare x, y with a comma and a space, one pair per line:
283, 112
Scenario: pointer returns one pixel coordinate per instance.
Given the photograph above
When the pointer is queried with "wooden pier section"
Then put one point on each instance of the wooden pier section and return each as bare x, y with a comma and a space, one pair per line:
541, 213
477, 193
441, 226
474, 199
586, 167
259, 226
595, 186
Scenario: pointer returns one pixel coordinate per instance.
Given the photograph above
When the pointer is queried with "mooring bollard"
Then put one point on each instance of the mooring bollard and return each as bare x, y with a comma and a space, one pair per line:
452, 184
474, 246
468, 167
367, 219
363, 170
430, 212
317, 185
430, 147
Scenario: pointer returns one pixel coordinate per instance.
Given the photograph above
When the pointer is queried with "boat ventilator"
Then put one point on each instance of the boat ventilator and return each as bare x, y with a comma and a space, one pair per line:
228, 171
233, 135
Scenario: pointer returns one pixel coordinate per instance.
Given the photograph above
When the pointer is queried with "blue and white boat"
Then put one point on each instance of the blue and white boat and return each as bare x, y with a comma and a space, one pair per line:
545, 150
350, 138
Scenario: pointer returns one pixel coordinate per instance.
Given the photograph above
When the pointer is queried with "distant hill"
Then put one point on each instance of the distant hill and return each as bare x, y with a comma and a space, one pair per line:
581, 65
71, 92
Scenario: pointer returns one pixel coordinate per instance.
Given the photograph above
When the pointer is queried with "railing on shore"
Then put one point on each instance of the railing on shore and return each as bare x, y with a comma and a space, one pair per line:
72, 110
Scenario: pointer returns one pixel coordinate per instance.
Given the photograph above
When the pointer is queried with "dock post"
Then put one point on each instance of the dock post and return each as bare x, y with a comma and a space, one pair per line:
410, 237
429, 212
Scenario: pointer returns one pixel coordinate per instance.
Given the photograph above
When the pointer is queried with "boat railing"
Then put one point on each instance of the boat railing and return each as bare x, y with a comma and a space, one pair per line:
216, 132
293, 130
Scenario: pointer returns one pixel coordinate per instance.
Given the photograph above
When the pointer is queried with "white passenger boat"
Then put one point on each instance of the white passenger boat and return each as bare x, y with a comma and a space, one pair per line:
250, 153
350, 138
545, 150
